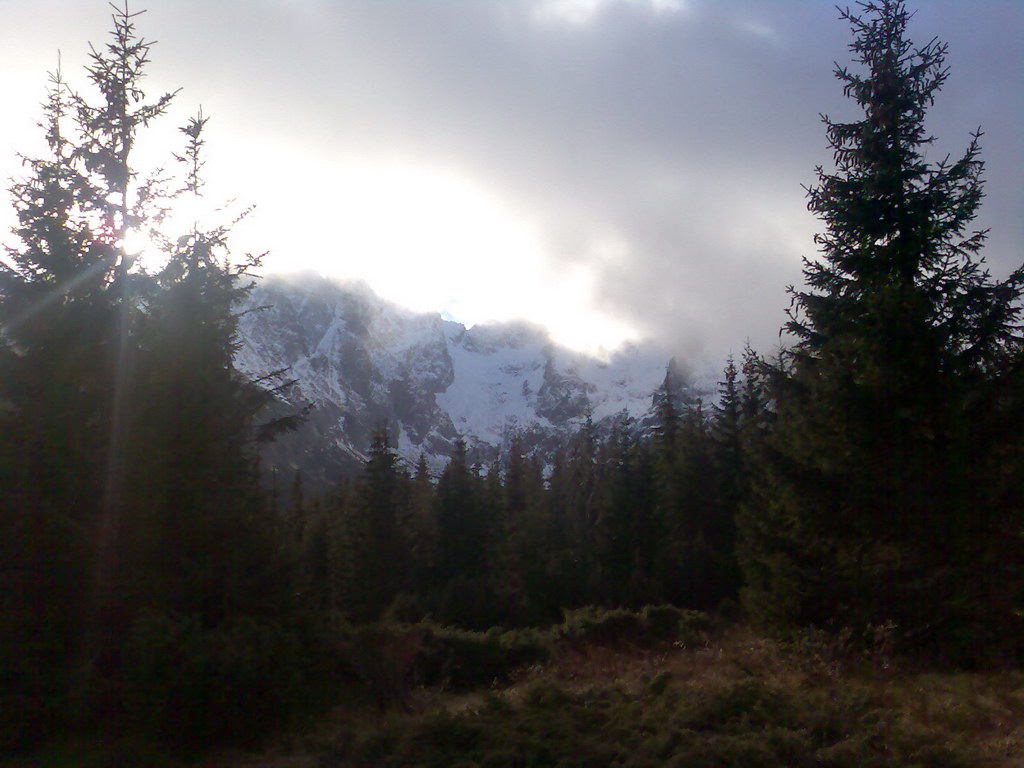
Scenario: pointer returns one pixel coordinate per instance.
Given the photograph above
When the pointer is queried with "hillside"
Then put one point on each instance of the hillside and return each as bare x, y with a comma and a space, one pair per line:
363, 362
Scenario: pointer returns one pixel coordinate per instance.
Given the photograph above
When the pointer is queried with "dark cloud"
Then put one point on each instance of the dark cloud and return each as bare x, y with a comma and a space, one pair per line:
663, 150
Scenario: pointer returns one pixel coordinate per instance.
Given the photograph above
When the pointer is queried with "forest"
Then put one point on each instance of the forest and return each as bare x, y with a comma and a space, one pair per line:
820, 566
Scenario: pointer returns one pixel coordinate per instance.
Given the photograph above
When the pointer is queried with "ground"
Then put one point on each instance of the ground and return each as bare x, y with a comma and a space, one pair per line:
735, 698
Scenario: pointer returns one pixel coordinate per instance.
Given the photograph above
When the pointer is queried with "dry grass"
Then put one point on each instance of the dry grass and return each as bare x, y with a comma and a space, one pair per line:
733, 698
726, 697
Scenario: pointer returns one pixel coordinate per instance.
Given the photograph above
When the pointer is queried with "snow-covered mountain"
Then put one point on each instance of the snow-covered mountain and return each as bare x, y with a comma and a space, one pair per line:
363, 362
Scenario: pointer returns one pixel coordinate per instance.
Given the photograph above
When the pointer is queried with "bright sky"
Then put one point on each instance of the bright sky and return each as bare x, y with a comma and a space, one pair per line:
610, 169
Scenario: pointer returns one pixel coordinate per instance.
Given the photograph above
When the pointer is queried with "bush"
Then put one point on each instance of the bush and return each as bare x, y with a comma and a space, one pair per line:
198, 686
26, 719
652, 625
384, 658
391, 659
668, 623
481, 659
470, 603
719, 721
597, 626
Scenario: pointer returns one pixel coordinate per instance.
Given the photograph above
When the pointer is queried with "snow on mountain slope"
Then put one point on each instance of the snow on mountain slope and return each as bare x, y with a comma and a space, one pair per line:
363, 362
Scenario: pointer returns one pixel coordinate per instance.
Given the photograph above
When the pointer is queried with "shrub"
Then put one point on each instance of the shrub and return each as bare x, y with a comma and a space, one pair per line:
719, 722
464, 660
198, 686
384, 657
471, 603
598, 626
25, 719
652, 625
668, 623
392, 659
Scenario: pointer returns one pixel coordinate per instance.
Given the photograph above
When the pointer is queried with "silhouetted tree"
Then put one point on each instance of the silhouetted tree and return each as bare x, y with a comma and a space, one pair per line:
423, 523
466, 526
127, 472
884, 493
460, 523
383, 558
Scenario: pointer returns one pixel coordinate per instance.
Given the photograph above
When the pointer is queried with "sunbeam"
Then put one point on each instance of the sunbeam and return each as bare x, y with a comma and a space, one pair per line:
55, 295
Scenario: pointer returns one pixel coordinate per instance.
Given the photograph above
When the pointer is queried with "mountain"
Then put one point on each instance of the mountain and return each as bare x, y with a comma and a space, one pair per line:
363, 362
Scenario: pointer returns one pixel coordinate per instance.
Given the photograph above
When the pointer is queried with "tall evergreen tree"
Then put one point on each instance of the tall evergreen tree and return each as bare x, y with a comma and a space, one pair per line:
465, 537
67, 314
461, 518
530, 537
882, 494
624, 543
384, 558
127, 474
728, 455
423, 523
193, 490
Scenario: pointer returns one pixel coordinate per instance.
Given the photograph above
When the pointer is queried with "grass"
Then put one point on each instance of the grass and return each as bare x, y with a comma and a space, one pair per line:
734, 699
611, 689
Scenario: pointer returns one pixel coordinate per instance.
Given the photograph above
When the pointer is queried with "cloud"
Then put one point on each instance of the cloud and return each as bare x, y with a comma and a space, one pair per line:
653, 150
760, 30
581, 12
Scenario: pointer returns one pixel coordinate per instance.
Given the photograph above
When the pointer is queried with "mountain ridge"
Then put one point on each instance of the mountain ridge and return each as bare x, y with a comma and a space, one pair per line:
363, 362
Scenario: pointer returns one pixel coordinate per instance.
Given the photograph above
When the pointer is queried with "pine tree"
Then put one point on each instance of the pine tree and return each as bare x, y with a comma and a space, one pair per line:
528, 540
67, 313
755, 415
669, 492
518, 483
126, 436
423, 523
193, 490
467, 518
462, 525
345, 535
697, 525
882, 493
728, 454
624, 543
383, 561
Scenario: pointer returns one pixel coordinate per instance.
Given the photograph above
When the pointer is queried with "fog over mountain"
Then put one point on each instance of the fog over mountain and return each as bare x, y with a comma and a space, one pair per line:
363, 362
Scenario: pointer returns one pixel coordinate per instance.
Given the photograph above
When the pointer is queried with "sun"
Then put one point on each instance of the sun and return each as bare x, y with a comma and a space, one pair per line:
433, 239
428, 238
187, 213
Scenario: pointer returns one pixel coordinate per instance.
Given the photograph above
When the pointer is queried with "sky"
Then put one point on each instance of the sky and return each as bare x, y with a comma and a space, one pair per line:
613, 170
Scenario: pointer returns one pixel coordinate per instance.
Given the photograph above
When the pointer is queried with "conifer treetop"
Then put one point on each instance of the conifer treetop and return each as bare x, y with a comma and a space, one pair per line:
895, 223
